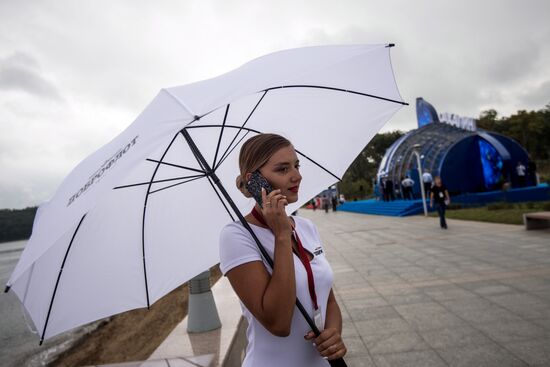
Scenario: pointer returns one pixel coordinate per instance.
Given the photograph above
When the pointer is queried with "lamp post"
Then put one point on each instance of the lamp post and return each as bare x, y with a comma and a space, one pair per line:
419, 165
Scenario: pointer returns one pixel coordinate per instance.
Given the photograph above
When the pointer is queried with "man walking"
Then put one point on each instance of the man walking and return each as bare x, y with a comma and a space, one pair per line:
440, 196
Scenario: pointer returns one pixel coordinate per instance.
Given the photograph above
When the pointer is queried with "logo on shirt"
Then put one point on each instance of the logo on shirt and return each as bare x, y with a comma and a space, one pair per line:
318, 251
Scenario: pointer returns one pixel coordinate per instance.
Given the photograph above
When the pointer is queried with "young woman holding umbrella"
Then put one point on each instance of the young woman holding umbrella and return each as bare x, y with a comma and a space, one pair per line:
277, 335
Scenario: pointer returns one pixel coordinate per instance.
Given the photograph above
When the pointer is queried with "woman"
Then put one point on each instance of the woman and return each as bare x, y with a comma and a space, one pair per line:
440, 195
277, 333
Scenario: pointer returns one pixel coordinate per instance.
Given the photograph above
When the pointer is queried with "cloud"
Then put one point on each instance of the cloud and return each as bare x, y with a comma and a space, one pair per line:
21, 72
537, 97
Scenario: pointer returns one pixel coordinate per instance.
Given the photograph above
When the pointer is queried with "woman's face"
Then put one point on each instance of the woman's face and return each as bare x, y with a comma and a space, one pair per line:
438, 181
282, 171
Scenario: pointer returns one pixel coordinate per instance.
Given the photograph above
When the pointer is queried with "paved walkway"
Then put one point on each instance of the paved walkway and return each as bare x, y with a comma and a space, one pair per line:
412, 294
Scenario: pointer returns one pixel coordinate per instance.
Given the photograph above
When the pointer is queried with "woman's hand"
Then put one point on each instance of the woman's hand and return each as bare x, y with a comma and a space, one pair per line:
275, 214
329, 344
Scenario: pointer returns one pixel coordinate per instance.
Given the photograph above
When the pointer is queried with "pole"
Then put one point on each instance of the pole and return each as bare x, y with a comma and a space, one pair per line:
212, 175
419, 164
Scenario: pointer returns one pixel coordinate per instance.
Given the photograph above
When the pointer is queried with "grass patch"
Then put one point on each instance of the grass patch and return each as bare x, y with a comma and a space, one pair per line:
507, 213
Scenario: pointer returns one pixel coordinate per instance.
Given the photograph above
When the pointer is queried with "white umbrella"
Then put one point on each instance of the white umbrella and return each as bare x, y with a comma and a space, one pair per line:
142, 215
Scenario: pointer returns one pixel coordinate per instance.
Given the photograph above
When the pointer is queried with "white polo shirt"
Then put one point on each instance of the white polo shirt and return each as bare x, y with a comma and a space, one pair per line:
265, 349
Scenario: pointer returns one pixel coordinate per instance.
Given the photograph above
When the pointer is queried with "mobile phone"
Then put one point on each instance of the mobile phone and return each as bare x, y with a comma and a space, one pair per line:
255, 184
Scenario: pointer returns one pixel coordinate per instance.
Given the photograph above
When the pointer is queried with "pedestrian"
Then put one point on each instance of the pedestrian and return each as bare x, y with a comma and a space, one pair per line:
389, 187
326, 203
520, 171
277, 334
440, 196
384, 187
313, 204
407, 185
334, 203
427, 181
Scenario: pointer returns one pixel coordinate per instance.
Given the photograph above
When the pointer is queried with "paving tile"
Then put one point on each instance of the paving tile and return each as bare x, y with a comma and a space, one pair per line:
355, 346
447, 292
490, 355
427, 316
394, 342
424, 358
504, 332
365, 301
407, 297
371, 313
359, 361
523, 304
460, 336
534, 352
382, 326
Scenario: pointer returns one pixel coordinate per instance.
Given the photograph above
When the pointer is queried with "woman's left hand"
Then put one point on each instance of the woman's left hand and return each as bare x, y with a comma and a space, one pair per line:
329, 344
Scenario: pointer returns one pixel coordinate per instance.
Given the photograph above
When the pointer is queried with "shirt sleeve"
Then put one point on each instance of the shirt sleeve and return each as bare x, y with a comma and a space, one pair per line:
236, 248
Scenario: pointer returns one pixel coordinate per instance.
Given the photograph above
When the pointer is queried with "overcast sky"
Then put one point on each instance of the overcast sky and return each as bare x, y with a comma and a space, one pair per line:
73, 74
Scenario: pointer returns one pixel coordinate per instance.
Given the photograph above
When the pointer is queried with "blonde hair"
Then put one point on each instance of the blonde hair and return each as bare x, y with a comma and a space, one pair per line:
255, 152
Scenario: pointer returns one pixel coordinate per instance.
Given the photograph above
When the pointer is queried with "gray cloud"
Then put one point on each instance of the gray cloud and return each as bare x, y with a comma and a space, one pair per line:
20, 71
538, 97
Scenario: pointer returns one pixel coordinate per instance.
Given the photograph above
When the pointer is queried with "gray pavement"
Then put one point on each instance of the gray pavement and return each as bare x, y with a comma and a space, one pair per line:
412, 294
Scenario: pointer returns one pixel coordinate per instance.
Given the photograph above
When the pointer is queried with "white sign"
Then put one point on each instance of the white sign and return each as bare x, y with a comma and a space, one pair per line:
466, 123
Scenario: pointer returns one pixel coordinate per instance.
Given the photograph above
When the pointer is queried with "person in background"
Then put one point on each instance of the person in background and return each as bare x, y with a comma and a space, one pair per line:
427, 180
389, 188
440, 196
520, 171
334, 203
407, 185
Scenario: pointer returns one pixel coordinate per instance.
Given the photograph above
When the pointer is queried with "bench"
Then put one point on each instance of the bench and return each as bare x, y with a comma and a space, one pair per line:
538, 220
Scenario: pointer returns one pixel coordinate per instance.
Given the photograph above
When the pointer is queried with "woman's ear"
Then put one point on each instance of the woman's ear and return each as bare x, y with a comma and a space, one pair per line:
247, 177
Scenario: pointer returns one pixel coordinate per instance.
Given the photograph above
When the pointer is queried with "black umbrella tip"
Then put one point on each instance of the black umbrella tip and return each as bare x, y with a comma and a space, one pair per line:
7, 289
41, 341
390, 45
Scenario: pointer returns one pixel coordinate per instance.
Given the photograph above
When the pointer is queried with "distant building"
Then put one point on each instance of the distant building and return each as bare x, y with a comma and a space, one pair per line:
467, 159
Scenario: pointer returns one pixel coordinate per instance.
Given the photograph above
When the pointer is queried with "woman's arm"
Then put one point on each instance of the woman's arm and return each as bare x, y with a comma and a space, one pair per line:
448, 196
330, 344
270, 299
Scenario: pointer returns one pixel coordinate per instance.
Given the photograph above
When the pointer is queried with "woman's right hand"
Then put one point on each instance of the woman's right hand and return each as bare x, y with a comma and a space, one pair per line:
275, 214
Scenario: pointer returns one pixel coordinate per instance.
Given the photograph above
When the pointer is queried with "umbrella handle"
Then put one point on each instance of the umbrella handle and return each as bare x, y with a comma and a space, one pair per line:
338, 363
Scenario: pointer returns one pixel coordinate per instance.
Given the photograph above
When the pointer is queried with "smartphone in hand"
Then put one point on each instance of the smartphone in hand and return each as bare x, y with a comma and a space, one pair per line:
255, 184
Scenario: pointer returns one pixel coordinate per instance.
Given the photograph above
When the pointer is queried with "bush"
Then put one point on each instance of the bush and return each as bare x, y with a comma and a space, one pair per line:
530, 205
499, 206
546, 206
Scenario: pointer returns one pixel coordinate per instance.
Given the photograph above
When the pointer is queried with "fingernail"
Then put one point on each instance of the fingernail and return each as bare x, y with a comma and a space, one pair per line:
325, 357
314, 344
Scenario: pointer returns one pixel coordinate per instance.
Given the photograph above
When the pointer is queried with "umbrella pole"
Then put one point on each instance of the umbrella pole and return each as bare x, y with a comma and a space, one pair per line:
212, 175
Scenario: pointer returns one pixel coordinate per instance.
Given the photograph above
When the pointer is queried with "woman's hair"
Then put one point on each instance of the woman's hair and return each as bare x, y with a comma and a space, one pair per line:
255, 152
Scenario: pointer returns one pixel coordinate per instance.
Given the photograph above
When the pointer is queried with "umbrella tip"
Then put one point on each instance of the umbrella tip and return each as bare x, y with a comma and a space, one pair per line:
390, 45
7, 289
41, 341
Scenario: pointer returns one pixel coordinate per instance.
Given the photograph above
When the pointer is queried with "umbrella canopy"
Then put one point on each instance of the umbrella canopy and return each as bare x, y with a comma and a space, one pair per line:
142, 215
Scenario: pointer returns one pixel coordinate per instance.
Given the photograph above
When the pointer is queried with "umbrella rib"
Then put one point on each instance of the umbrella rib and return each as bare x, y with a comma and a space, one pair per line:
58, 279
338, 90
183, 134
241, 128
175, 165
259, 132
318, 165
220, 137
143, 219
158, 181
176, 184
232, 149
